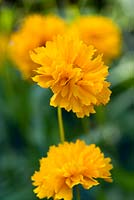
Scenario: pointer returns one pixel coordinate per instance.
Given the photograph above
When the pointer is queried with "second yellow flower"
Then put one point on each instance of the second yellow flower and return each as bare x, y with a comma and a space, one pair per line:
75, 75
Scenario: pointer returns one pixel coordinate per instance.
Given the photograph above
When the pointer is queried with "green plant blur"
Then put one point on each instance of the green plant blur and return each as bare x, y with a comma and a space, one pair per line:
28, 125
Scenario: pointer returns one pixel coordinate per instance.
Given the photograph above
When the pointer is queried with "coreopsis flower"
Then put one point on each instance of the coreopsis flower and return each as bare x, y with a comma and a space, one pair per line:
101, 32
67, 165
75, 75
35, 31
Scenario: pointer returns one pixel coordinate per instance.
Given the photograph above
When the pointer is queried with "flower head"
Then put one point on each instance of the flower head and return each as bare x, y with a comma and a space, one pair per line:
34, 32
74, 74
67, 165
101, 32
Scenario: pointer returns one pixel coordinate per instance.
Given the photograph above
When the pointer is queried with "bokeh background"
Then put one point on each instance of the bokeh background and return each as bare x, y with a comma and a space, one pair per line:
28, 125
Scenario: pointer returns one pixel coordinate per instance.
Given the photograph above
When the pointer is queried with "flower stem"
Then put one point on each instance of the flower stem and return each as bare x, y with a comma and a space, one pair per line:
62, 135
77, 192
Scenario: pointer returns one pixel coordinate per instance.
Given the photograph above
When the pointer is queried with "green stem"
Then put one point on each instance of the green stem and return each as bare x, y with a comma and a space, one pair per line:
78, 192
62, 135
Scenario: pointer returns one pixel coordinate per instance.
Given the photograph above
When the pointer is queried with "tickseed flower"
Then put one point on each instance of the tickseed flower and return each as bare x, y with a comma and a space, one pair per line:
75, 75
102, 33
34, 32
67, 165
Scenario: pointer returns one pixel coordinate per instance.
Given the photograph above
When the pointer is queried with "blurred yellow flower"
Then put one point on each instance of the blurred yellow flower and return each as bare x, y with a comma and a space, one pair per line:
101, 32
70, 164
34, 32
74, 74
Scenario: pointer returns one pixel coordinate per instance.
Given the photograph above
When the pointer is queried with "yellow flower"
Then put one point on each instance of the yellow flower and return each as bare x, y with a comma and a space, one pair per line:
67, 165
34, 32
74, 74
101, 32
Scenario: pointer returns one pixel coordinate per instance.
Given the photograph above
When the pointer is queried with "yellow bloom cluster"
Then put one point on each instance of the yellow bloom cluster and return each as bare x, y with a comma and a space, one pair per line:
68, 165
34, 32
71, 65
75, 75
102, 33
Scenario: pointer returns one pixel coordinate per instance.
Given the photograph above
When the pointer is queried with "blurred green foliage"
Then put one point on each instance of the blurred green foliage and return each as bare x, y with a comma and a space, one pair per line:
28, 125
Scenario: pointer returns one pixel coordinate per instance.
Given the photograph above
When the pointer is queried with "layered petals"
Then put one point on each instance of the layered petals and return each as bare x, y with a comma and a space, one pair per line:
76, 76
67, 165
